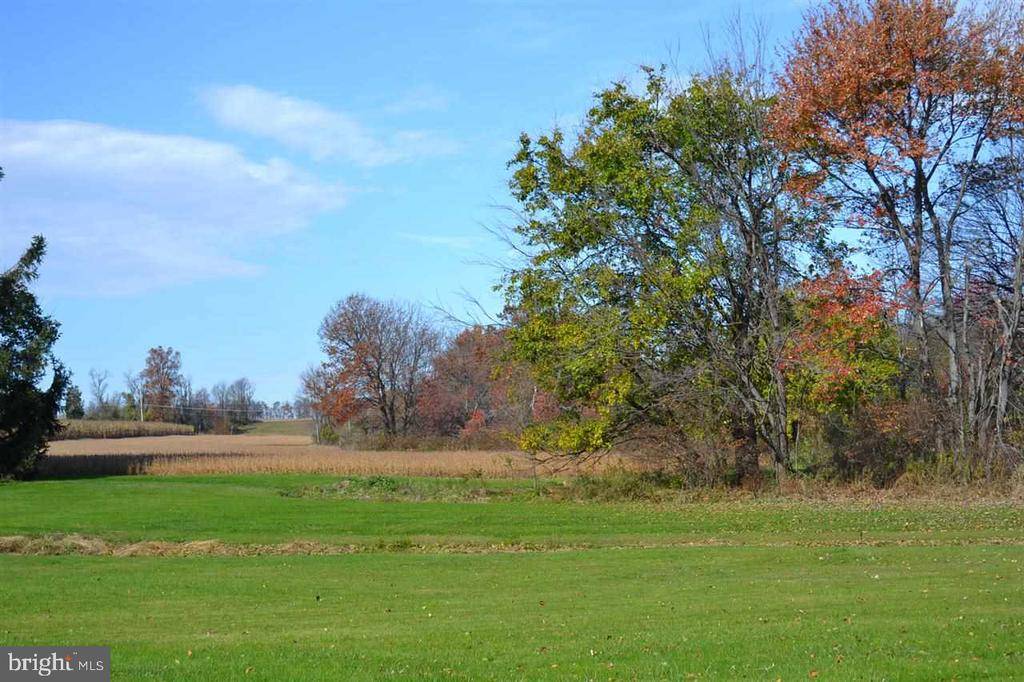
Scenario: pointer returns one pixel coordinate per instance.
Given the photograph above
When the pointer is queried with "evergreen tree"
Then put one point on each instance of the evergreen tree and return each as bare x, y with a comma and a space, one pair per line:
74, 408
28, 414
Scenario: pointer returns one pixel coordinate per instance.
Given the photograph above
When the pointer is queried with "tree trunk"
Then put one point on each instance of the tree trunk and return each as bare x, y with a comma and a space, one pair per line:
744, 434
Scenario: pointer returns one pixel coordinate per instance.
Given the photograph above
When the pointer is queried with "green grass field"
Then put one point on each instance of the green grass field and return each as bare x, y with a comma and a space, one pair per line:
482, 579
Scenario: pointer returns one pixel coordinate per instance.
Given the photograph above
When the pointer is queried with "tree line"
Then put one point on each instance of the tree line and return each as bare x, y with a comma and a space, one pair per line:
689, 288
816, 266
689, 283
391, 369
162, 392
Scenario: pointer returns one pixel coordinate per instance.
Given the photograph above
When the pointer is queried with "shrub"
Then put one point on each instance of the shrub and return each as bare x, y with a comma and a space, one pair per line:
620, 485
884, 439
327, 435
483, 439
1017, 482
706, 459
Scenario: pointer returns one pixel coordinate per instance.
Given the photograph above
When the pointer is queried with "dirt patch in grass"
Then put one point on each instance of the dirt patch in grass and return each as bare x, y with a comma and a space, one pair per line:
56, 545
50, 545
79, 545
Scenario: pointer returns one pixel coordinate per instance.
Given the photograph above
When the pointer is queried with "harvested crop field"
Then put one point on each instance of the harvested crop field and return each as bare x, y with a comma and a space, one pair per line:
191, 455
75, 429
167, 445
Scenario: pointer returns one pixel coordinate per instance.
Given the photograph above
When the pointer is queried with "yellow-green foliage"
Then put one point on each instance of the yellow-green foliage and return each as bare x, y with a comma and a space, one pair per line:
99, 428
567, 435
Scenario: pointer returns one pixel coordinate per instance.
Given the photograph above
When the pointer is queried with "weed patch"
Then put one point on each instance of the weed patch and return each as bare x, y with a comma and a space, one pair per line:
392, 488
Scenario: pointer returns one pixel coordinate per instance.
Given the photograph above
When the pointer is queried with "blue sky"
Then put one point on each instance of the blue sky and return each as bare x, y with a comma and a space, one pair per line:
214, 175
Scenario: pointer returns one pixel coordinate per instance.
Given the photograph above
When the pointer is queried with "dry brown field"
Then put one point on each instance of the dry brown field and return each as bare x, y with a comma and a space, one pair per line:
283, 454
103, 428
183, 445
243, 454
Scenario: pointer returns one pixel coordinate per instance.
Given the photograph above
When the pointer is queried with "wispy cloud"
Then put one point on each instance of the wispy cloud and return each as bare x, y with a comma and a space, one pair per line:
446, 241
126, 211
321, 132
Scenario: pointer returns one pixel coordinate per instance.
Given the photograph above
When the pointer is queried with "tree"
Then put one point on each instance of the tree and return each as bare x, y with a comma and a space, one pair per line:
473, 384
73, 406
102, 405
205, 416
843, 362
329, 397
161, 380
183, 401
98, 388
134, 384
897, 109
378, 355
28, 414
241, 397
661, 245
461, 382
843, 350
991, 302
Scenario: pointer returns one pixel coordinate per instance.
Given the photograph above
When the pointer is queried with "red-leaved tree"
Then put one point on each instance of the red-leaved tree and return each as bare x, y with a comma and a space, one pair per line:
897, 110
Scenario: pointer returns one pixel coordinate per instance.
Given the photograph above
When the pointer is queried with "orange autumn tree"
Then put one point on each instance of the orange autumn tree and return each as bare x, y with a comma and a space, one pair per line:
896, 109
842, 366
331, 396
378, 357
161, 381
474, 386
844, 349
461, 386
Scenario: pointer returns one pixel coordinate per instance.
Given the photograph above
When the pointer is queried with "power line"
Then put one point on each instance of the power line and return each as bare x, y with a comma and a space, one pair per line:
206, 409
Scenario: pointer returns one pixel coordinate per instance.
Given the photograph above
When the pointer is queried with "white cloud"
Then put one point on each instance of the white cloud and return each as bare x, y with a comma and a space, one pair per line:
316, 130
126, 211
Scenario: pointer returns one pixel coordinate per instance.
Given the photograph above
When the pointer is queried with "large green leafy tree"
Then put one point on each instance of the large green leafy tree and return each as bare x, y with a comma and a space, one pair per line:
28, 413
662, 244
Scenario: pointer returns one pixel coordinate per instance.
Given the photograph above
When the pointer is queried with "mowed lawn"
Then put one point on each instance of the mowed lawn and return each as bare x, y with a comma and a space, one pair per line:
757, 589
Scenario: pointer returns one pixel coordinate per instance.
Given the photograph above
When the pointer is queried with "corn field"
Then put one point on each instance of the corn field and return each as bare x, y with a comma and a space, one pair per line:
75, 429
251, 454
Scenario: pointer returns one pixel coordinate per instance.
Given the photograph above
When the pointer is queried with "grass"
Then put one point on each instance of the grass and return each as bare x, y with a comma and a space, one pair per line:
471, 578
708, 613
283, 427
276, 509
101, 428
